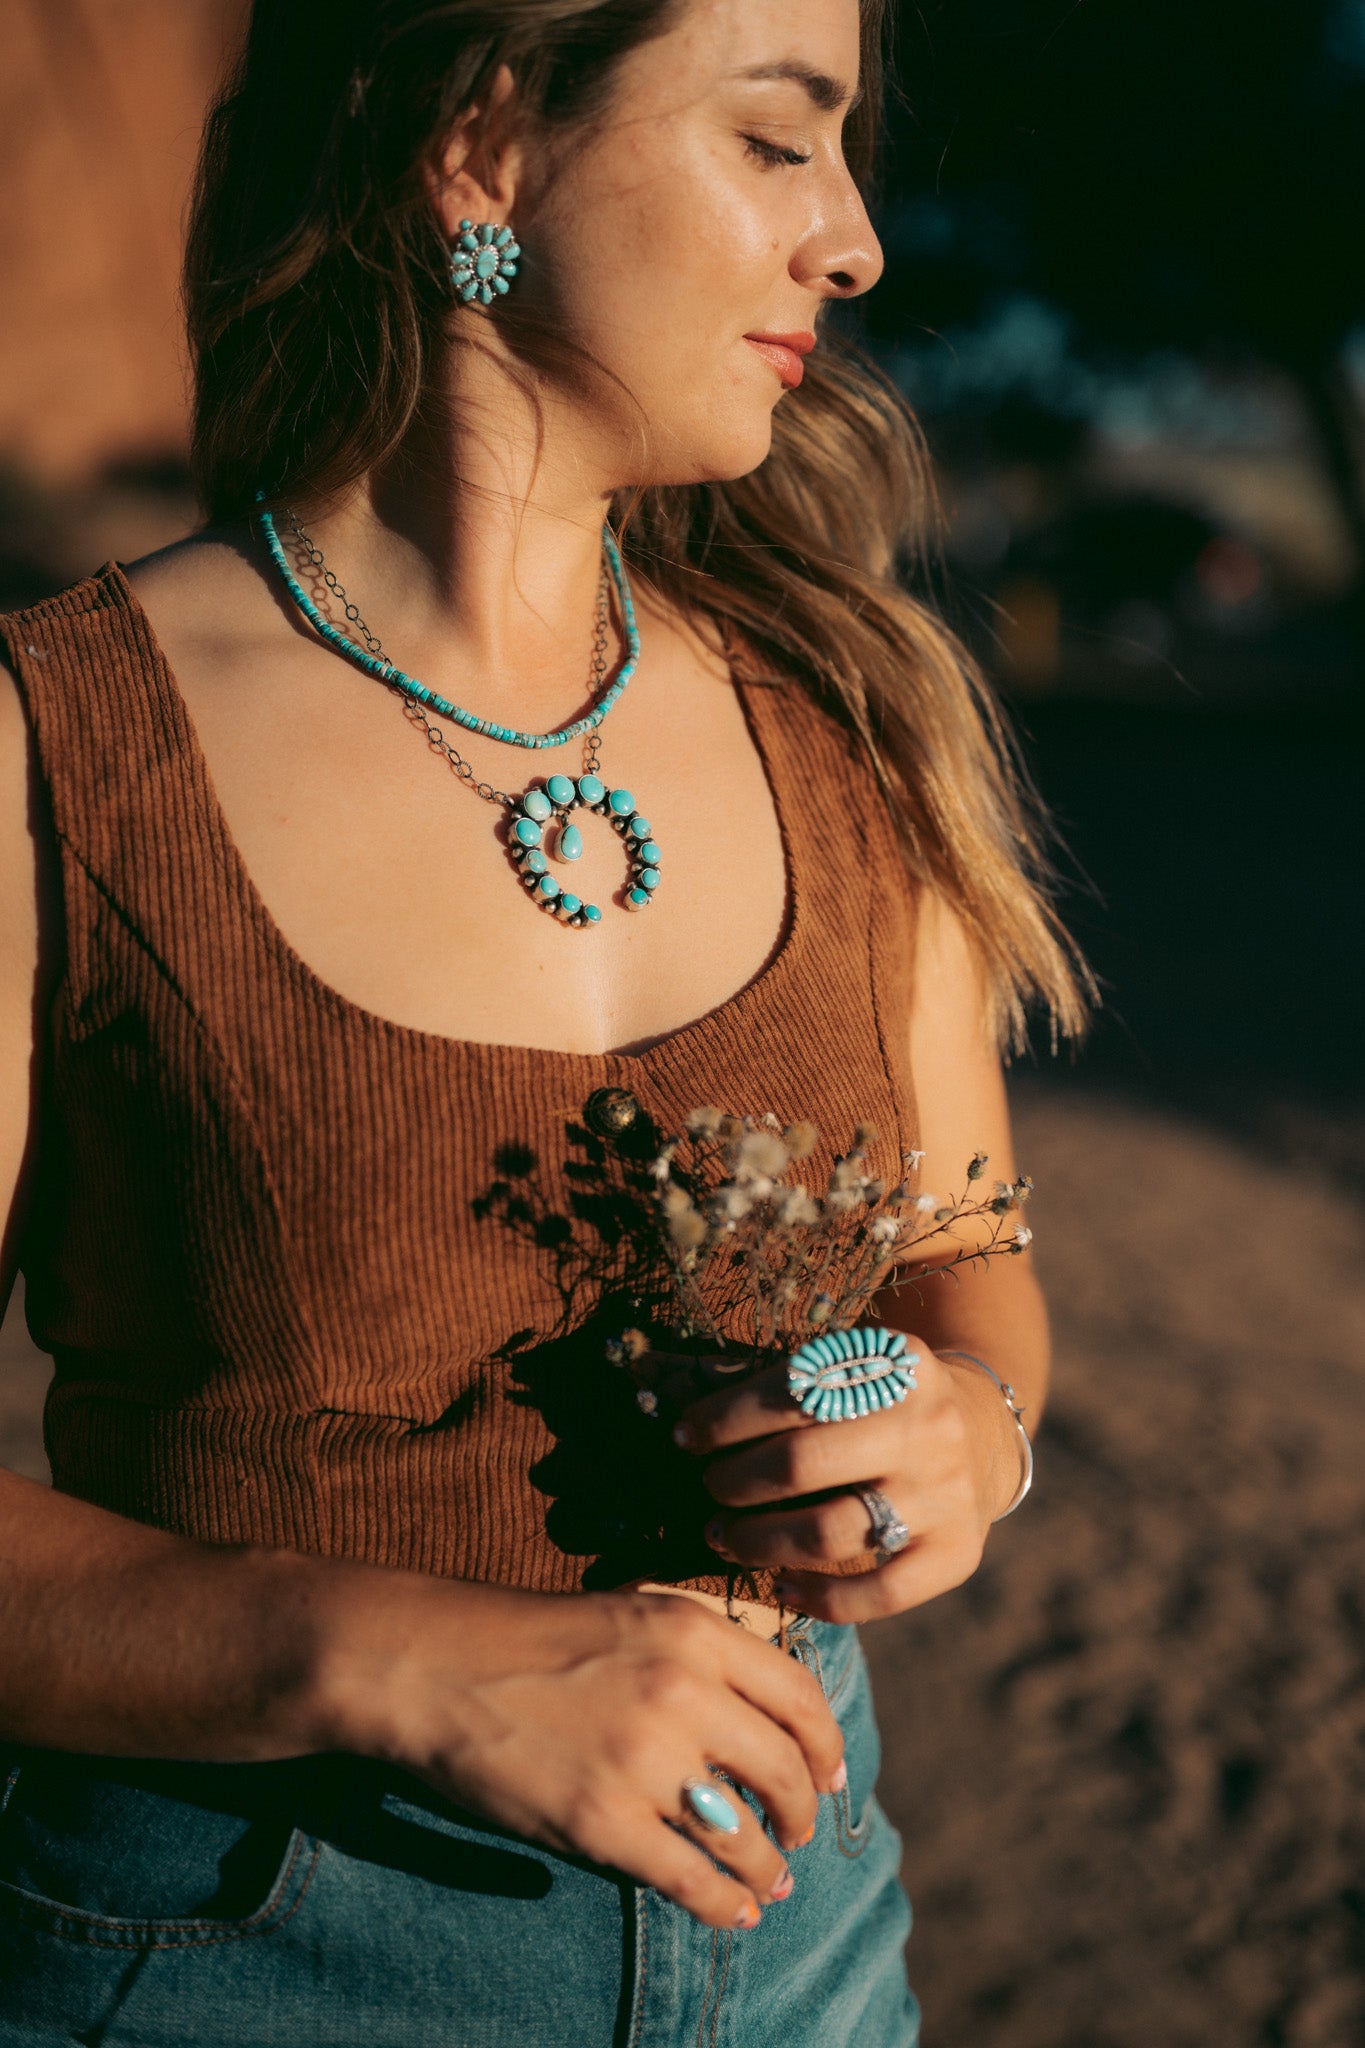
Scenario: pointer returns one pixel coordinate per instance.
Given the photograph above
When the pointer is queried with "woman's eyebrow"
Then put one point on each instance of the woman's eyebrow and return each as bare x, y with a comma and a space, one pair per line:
827, 93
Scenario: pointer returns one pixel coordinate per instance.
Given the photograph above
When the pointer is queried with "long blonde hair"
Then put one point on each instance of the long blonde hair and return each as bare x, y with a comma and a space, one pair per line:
318, 309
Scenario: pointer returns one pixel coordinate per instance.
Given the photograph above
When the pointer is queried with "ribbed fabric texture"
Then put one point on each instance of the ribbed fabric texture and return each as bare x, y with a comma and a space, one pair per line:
270, 1246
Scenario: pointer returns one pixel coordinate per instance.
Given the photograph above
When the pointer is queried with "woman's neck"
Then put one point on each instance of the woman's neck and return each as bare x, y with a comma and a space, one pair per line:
476, 564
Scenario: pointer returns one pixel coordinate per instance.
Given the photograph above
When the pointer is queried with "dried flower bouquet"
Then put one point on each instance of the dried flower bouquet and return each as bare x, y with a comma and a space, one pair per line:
749, 1249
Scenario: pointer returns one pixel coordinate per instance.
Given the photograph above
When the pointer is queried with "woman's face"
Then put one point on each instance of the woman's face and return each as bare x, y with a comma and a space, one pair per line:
711, 205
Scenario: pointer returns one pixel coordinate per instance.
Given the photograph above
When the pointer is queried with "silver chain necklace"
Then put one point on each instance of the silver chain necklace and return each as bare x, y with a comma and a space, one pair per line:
540, 826
412, 710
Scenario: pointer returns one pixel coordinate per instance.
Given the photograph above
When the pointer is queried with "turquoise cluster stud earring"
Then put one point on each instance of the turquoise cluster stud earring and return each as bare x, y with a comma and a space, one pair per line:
845, 1373
483, 260
541, 826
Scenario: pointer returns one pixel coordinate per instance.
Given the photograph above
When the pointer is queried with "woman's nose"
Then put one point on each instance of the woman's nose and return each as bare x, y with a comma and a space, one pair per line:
843, 254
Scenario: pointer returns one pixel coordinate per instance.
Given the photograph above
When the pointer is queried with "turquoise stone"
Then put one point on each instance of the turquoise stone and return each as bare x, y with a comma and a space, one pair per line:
487, 232
640, 827
638, 898
569, 903
527, 831
713, 1809
569, 845
536, 805
622, 802
547, 886
592, 914
591, 788
855, 1338
649, 878
535, 862
486, 263
561, 789
648, 852
503, 237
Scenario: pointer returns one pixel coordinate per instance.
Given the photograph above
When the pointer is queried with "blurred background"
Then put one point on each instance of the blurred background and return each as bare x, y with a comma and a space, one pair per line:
1126, 291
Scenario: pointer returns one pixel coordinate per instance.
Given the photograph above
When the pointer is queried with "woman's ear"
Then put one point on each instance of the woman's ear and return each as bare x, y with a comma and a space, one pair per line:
476, 174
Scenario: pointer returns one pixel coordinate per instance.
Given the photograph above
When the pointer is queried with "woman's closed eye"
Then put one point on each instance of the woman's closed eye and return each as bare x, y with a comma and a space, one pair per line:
773, 152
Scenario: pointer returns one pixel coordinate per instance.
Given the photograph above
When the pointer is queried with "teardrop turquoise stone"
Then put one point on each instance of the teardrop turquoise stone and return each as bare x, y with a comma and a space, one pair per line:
536, 804
569, 845
622, 802
591, 788
561, 789
713, 1808
527, 831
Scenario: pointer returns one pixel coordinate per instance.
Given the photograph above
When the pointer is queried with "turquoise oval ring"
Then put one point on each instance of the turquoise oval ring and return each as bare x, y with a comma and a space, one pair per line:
842, 1374
711, 1807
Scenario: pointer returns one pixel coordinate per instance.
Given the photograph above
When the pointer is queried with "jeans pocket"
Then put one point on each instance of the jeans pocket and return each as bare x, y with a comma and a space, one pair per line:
148, 1854
835, 1655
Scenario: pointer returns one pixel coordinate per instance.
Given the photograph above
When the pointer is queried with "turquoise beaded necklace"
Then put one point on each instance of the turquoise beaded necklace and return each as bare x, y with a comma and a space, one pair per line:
540, 827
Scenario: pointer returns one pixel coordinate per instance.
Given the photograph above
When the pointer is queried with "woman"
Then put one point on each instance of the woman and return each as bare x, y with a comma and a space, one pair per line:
343, 1700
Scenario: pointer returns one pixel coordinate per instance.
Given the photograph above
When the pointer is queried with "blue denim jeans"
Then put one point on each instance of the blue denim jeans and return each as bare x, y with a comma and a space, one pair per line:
332, 1901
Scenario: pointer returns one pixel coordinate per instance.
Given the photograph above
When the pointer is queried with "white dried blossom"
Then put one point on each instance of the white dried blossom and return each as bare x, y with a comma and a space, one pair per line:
704, 1122
796, 1206
729, 1203
687, 1229
885, 1229
840, 1199
925, 1204
1021, 1236
914, 1160
675, 1201
761, 1153
800, 1139
662, 1166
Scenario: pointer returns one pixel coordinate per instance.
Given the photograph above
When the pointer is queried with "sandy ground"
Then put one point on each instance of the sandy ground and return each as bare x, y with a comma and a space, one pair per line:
1126, 1758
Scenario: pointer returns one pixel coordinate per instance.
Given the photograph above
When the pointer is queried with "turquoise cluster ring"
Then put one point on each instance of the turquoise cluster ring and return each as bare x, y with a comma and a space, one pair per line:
710, 1807
542, 825
842, 1374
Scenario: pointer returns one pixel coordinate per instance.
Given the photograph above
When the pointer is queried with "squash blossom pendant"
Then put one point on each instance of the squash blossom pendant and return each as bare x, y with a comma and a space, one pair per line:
542, 828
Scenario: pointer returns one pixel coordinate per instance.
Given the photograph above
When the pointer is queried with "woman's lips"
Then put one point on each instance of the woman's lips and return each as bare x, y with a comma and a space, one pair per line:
784, 354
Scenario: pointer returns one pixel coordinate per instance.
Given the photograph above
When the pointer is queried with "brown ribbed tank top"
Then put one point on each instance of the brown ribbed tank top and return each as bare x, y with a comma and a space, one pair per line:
300, 1267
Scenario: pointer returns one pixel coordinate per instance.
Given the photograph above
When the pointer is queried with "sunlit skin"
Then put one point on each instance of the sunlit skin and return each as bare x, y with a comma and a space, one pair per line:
710, 206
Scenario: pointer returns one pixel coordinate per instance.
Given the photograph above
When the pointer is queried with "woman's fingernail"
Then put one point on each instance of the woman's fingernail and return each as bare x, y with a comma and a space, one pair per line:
748, 1916
682, 1434
804, 1841
839, 1780
785, 1886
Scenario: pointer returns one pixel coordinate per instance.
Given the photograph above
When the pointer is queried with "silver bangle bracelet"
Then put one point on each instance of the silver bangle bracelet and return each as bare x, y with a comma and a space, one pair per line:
1026, 1474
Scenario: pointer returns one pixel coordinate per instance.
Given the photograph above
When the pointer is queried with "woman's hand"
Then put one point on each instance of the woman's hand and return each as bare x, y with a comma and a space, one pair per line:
945, 1457
577, 1719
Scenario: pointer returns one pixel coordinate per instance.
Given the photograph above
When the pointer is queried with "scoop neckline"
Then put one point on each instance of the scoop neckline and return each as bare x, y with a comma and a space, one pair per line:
347, 1011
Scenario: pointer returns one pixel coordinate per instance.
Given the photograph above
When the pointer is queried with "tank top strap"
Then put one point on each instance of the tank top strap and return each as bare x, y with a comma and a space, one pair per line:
120, 770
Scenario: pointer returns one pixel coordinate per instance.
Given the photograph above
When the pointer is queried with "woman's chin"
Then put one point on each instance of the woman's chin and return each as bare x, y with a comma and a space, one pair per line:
718, 459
